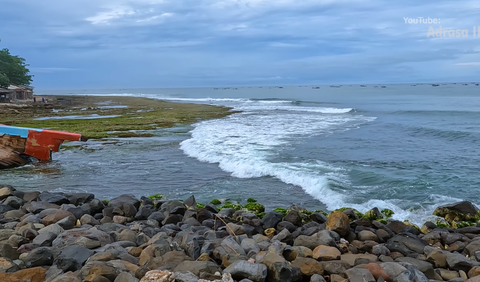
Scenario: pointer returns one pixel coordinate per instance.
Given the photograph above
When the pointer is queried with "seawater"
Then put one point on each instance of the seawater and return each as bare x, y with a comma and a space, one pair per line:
403, 147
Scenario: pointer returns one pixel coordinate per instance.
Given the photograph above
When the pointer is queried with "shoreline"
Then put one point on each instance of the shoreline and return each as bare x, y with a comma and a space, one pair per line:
57, 237
100, 117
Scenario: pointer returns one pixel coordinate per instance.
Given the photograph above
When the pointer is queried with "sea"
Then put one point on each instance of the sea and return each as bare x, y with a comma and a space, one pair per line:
408, 148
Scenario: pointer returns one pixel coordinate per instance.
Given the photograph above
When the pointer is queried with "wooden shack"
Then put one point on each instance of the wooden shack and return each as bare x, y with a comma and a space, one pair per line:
16, 92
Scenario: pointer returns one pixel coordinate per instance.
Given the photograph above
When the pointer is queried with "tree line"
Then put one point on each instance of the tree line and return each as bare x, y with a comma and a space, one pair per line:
13, 69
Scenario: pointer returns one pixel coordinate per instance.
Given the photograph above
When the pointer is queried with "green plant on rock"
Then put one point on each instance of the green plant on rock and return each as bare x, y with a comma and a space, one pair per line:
215, 202
255, 207
461, 224
260, 215
237, 207
251, 200
281, 210
155, 197
200, 206
383, 221
387, 213
322, 212
227, 205
307, 212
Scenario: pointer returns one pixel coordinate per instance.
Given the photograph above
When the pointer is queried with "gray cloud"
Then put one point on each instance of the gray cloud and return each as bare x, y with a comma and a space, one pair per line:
165, 43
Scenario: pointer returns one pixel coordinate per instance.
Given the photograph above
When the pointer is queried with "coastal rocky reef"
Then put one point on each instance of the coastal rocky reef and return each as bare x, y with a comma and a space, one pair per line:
60, 237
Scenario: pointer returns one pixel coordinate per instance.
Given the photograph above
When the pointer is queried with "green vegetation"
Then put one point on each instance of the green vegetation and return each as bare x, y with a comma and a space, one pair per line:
156, 197
255, 207
387, 213
141, 114
215, 202
251, 200
13, 70
200, 206
281, 210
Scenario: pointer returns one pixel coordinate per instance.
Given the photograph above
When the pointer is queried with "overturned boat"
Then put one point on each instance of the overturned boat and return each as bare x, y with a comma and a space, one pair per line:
19, 144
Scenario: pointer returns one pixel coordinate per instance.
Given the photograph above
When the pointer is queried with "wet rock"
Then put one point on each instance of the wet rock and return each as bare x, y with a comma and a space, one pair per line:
318, 217
294, 217
271, 219
461, 211
39, 257
37, 207
173, 205
338, 222
80, 198
398, 227
72, 258
241, 269
53, 198
127, 199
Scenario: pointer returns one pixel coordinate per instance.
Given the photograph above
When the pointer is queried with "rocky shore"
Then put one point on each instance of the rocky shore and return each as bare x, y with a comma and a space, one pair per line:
59, 237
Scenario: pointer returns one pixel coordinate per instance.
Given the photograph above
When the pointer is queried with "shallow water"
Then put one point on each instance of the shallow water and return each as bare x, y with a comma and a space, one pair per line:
407, 148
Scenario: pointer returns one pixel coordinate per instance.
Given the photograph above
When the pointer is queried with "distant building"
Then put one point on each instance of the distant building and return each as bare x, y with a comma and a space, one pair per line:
16, 92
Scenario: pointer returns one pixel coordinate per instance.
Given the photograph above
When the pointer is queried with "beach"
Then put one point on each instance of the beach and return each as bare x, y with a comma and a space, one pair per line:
78, 237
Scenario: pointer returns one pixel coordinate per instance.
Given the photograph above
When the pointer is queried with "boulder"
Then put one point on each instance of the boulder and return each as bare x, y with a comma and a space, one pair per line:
308, 266
242, 269
72, 258
338, 222
325, 253
89, 238
461, 211
35, 274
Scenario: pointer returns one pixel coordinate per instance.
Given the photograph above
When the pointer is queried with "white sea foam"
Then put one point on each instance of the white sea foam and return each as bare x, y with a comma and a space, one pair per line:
246, 144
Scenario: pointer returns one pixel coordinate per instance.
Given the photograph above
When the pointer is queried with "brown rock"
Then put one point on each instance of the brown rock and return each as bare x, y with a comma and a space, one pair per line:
377, 271
338, 222
134, 251
98, 268
475, 271
158, 276
308, 266
326, 253
35, 274
203, 257
365, 235
474, 279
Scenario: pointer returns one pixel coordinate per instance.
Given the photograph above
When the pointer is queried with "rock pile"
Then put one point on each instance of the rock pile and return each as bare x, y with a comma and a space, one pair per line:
59, 237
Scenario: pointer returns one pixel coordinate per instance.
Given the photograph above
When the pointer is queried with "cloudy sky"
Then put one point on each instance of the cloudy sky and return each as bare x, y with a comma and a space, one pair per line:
188, 43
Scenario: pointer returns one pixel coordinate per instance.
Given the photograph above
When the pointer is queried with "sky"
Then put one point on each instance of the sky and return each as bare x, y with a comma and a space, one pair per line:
86, 44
